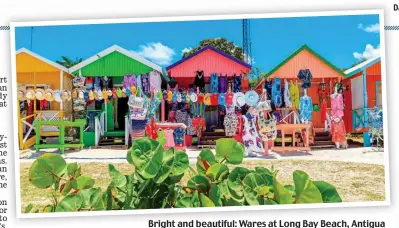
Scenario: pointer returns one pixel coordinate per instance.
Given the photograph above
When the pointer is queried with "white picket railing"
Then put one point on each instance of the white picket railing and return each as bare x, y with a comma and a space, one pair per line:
99, 123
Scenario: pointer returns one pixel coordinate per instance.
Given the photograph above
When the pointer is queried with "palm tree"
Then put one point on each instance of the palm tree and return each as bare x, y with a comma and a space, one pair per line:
68, 63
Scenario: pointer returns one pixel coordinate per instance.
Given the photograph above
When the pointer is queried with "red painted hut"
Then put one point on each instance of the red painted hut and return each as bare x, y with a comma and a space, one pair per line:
364, 94
208, 59
305, 58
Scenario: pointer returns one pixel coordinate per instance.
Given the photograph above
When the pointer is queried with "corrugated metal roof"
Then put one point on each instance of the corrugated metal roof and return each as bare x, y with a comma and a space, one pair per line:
114, 61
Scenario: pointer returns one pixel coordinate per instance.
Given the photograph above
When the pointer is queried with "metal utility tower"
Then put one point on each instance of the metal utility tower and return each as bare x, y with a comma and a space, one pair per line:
246, 39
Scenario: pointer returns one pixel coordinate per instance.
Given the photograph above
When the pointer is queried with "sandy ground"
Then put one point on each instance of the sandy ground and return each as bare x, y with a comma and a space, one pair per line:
358, 155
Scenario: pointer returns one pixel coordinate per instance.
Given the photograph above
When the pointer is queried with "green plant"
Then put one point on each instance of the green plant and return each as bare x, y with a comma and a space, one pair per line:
156, 182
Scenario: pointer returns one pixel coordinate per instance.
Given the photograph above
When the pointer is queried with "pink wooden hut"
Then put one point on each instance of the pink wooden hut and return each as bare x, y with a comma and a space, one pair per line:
208, 59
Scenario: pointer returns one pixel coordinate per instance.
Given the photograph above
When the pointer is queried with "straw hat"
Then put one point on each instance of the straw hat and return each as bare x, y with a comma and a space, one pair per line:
30, 94
81, 94
207, 99
74, 94
21, 94
39, 94
239, 99
251, 98
66, 95
193, 97
49, 95
57, 95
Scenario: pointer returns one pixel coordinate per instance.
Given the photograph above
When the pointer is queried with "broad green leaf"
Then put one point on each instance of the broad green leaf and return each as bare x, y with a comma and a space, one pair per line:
269, 202
180, 163
281, 194
266, 174
253, 183
291, 189
215, 196
166, 167
82, 182
70, 203
235, 178
95, 200
184, 202
66, 188
224, 191
217, 172
45, 170
231, 202
229, 150
28, 208
199, 183
305, 190
204, 160
205, 201
118, 179
48, 208
72, 169
146, 155
328, 192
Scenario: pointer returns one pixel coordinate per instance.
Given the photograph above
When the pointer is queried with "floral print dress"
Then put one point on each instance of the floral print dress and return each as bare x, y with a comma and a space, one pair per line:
252, 142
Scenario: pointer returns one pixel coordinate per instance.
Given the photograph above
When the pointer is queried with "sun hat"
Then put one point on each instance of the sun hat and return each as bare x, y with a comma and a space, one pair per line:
65, 96
179, 97
57, 95
91, 95
193, 97
49, 95
21, 94
39, 94
214, 99
200, 98
207, 99
170, 95
133, 90
30, 94
251, 98
104, 93
239, 99
174, 97
222, 99
119, 92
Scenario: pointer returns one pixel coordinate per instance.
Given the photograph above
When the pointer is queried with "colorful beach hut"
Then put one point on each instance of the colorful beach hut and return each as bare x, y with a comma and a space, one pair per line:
321, 69
114, 63
364, 95
208, 60
34, 71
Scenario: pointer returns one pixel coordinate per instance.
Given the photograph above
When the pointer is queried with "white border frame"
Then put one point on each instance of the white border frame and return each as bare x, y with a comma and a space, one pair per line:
201, 18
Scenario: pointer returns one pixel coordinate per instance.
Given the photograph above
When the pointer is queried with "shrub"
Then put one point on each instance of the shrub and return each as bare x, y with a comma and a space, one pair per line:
156, 182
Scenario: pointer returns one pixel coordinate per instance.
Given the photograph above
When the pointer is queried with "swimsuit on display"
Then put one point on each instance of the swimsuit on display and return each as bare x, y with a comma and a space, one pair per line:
237, 84
305, 108
305, 76
276, 92
222, 84
199, 80
214, 83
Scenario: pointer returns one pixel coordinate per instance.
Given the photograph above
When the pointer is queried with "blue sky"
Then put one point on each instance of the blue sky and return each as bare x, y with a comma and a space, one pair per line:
340, 39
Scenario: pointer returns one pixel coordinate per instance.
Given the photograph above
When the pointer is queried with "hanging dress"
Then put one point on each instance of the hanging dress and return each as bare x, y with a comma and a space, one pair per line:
214, 83
324, 95
155, 80
252, 141
294, 94
268, 87
305, 108
287, 99
223, 84
338, 130
170, 140
145, 83
237, 84
199, 80
276, 92
306, 76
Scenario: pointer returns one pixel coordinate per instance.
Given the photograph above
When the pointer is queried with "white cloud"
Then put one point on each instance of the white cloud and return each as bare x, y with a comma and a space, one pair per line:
157, 53
375, 28
369, 52
186, 50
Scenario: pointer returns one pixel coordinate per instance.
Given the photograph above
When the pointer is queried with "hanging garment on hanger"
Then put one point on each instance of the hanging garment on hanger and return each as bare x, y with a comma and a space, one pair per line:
324, 96
287, 97
145, 83
245, 83
170, 140
252, 141
178, 134
337, 106
294, 94
338, 130
222, 84
305, 108
155, 80
230, 124
214, 86
199, 80
237, 83
268, 87
190, 129
107, 82
276, 92
267, 126
306, 76
129, 80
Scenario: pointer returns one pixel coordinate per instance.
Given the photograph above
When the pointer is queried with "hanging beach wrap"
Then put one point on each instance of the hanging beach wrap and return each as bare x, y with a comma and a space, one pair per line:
267, 127
214, 83
305, 76
276, 92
